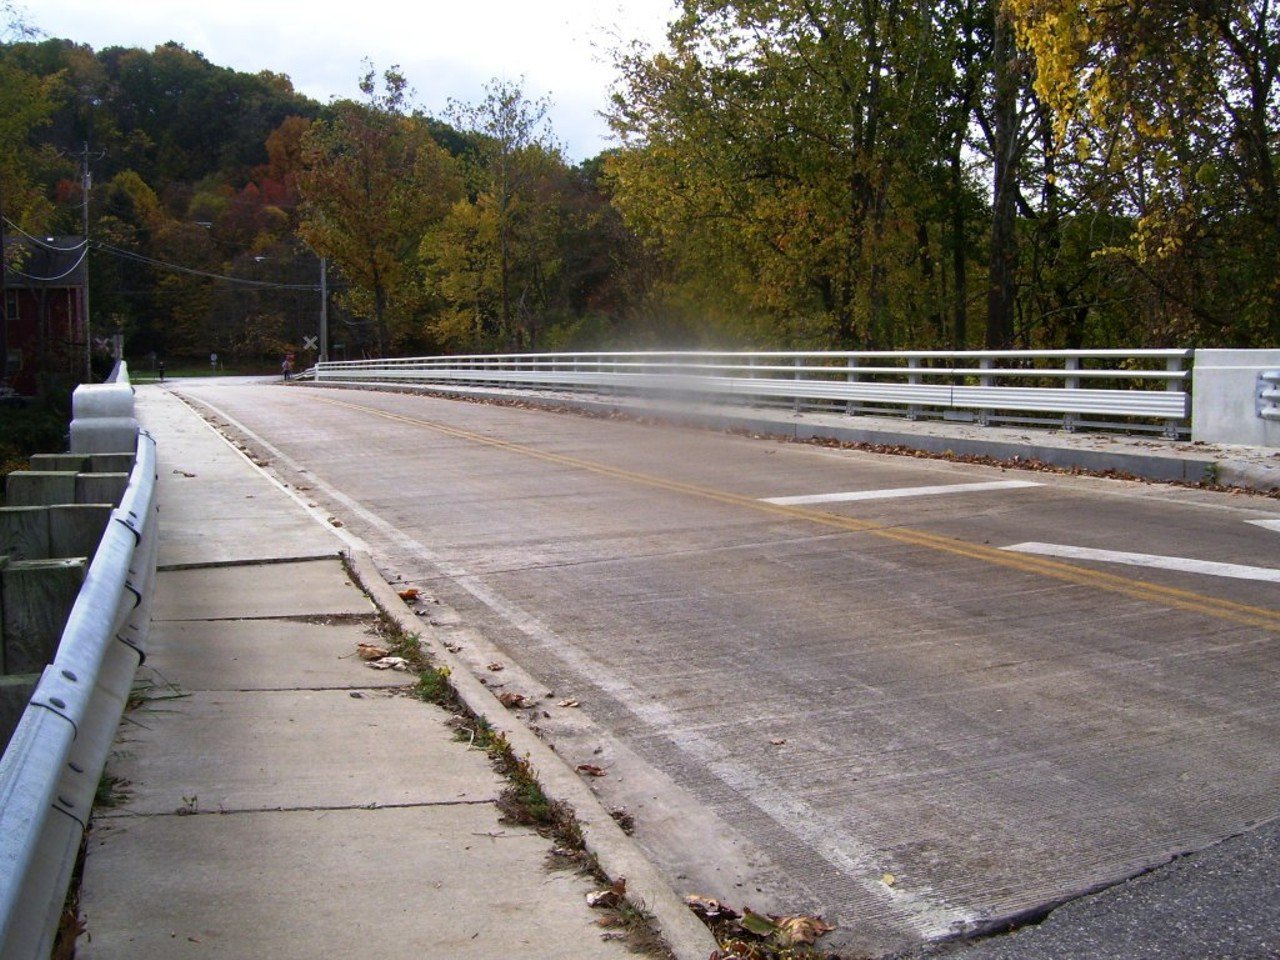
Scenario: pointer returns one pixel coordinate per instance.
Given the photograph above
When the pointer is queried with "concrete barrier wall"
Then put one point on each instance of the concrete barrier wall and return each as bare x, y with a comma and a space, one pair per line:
50, 530
1224, 406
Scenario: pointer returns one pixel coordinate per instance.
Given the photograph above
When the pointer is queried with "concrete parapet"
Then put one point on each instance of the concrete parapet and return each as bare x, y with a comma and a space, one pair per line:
104, 435
75, 462
15, 694
60, 531
1227, 406
75, 529
24, 533
40, 488
101, 487
121, 462
96, 401
37, 599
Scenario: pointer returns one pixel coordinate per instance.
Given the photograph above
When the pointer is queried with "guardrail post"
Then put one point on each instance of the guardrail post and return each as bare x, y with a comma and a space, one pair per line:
1173, 385
850, 407
984, 380
913, 409
1070, 383
795, 405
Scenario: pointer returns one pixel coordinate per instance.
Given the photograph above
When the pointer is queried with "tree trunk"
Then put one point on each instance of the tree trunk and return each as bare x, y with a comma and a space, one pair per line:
1004, 242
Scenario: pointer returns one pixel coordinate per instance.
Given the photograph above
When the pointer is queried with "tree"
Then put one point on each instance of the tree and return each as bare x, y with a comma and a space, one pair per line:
1174, 108
782, 144
495, 257
373, 182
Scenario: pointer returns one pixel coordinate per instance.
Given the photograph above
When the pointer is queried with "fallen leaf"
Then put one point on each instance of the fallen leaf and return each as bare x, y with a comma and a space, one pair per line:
370, 651
591, 770
756, 923
889, 879
410, 594
495, 666
800, 930
610, 897
568, 703
335, 522
513, 701
389, 663
710, 909
777, 743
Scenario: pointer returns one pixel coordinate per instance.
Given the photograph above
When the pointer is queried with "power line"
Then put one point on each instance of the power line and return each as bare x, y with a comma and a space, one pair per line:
179, 268
48, 243
62, 276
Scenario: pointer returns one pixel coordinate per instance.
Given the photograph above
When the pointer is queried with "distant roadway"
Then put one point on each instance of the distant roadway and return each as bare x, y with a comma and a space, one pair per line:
916, 697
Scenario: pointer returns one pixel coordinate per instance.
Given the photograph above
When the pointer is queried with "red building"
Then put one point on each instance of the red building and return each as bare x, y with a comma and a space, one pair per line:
42, 336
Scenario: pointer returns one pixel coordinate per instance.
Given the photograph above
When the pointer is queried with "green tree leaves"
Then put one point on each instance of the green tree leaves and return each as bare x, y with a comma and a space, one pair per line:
373, 183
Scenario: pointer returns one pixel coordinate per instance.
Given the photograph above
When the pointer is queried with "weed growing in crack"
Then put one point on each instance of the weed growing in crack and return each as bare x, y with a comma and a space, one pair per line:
524, 801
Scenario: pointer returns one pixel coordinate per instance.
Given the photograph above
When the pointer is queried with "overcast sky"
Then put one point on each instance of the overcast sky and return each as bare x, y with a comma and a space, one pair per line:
446, 48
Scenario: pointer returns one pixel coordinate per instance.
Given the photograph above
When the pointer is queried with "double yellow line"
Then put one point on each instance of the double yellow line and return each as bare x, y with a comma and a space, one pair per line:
1185, 600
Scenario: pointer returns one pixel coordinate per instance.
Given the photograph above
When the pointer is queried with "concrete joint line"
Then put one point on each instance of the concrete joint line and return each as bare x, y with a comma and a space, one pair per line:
271, 561
369, 690
310, 808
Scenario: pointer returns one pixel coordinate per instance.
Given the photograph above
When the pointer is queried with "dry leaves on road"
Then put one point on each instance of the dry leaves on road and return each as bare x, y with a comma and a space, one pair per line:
591, 770
371, 651
767, 935
610, 897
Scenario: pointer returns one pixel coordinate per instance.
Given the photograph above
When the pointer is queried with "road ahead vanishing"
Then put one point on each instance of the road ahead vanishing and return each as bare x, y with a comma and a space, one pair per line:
913, 696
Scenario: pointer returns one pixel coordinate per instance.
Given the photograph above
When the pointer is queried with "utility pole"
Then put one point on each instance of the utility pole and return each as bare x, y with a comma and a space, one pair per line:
324, 310
4, 302
85, 183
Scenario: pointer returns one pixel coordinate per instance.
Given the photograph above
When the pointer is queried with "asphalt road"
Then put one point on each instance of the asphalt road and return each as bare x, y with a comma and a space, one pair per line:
867, 707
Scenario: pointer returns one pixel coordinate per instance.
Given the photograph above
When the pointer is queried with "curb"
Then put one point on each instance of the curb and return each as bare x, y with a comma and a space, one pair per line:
618, 855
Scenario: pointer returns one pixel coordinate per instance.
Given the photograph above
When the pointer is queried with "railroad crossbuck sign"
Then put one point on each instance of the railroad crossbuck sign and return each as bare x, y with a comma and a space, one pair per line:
309, 343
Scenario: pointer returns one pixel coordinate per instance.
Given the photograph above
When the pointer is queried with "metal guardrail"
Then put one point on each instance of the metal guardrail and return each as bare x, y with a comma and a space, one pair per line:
51, 769
1129, 389
1268, 395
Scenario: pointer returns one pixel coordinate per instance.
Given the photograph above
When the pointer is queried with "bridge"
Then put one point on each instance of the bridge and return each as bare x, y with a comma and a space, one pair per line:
922, 697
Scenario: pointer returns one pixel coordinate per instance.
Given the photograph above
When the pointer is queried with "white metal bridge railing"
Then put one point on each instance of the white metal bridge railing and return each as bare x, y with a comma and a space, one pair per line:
1106, 389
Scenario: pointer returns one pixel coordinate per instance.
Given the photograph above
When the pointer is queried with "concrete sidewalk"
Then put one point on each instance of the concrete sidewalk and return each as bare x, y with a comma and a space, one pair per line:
281, 799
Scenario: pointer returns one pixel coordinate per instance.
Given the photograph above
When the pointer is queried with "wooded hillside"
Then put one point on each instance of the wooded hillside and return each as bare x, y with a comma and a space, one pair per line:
793, 173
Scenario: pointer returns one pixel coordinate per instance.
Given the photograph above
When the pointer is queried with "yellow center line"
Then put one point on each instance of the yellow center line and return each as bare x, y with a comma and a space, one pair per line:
1186, 600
